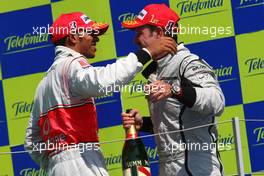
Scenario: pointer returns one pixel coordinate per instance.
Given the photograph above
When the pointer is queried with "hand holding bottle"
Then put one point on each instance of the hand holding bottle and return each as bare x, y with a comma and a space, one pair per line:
132, 118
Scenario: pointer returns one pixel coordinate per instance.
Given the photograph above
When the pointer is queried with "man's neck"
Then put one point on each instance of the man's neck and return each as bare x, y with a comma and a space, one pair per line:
74, 48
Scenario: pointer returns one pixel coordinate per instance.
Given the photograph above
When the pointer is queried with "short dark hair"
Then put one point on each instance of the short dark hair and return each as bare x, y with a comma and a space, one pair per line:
167, 33
61, 42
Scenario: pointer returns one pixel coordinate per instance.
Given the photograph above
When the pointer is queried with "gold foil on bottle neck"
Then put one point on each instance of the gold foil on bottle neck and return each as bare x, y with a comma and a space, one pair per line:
131, 132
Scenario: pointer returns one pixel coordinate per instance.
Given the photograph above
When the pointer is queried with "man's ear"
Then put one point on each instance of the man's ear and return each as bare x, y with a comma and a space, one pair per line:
160, 32
73, 39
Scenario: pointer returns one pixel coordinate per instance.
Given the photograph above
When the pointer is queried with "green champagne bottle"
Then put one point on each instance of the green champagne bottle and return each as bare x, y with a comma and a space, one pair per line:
135, 160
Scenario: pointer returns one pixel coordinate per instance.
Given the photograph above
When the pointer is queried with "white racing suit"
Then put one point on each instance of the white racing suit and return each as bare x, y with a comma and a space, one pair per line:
64, 113
207, 101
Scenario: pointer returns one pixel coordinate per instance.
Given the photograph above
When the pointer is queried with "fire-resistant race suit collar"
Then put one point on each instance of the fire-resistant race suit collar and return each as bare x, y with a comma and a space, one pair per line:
63, 52
166, 59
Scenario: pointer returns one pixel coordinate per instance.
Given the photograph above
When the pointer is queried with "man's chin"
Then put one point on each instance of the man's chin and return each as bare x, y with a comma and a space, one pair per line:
91, 56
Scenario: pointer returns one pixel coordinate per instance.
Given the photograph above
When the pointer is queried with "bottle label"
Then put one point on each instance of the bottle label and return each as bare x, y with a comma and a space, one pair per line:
137, 171
138, 163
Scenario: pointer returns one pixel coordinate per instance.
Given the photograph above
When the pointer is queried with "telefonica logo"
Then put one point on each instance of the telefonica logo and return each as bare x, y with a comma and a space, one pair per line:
228, 139
105, 99
255, 65
32, 172
224, 73
22, 109
191, 6
113, 159
104, 96
259, 135
152, 153
250, 3
226, 142
18, 43
126, 17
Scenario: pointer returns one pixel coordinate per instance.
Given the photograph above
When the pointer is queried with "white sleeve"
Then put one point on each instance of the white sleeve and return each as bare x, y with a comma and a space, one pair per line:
97, 81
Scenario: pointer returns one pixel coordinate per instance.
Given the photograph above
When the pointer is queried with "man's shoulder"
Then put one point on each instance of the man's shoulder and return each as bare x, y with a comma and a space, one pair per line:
182, 58
79, 62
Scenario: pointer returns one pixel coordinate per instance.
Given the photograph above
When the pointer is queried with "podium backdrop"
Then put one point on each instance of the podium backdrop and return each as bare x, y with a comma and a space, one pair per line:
236, 54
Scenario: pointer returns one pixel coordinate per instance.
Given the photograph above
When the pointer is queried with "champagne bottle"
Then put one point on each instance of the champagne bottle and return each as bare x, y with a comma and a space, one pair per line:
135, 160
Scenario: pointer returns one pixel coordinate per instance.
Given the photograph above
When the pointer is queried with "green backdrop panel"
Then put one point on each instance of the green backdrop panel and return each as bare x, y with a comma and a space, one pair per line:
251, 65
19, 94
7, 6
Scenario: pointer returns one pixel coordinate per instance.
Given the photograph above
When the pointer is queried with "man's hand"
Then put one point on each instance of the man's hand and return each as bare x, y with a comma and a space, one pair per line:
158, 90
132, 118
162, 47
